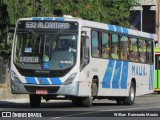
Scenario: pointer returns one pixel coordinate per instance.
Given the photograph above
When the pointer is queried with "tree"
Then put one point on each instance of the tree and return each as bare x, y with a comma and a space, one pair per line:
107, 11
4, 21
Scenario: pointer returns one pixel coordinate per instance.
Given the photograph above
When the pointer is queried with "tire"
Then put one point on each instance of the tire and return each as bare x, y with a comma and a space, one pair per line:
87, 101
35, 100
76, 101
119, 101
94, 89
131, 98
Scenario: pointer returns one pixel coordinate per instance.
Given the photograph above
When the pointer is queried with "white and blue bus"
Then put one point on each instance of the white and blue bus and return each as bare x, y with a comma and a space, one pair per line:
80, 60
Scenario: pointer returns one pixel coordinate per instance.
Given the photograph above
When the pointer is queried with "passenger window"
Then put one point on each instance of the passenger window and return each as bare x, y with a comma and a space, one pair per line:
115, 47
105, 45
95, 44
142, 51
124, 48
149, 54
134, 50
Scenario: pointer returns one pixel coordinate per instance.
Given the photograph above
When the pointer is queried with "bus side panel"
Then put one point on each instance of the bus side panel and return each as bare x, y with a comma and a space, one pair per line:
85, 82
144, 81
158, 80
155, 78
112, 77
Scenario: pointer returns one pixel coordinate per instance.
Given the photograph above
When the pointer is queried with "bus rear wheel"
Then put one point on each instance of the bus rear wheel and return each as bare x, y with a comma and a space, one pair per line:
131, 98
119, 101
35, 100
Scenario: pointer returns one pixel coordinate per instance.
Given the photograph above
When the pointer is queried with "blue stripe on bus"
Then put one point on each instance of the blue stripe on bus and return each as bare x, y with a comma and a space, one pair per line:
108, 74
43, 80
151, 78
47, 18
124, 75
30, 80
125, 30
36, 18
151, 36
116, 77
118, 29
111, 27
56, 81
59, 19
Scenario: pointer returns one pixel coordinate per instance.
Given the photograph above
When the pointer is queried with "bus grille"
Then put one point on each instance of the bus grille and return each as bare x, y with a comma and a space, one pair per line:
51, 90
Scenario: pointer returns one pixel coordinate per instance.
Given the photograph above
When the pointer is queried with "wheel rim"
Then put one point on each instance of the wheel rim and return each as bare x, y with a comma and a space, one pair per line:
132, 93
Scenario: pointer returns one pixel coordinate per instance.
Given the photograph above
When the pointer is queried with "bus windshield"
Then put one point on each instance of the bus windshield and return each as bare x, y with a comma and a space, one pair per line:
45, 50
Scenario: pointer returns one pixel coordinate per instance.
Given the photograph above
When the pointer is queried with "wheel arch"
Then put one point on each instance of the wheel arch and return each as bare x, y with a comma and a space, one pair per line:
95, 79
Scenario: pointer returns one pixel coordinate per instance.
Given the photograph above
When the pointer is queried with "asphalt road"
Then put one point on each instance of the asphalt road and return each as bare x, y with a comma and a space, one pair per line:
145, 107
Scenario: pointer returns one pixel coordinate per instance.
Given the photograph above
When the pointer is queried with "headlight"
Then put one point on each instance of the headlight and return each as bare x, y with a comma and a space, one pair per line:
70, 79
14, 77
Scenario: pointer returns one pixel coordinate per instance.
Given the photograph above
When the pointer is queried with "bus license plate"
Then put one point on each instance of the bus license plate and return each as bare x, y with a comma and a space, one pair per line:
41, 92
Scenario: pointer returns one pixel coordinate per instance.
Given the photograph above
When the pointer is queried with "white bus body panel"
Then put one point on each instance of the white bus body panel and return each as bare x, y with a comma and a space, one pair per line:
115, 77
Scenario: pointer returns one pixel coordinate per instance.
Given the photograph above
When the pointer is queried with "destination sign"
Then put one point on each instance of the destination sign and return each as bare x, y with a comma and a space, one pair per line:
48, 25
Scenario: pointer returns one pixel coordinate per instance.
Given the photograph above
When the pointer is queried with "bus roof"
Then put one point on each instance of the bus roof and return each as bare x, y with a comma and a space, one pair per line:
97, 25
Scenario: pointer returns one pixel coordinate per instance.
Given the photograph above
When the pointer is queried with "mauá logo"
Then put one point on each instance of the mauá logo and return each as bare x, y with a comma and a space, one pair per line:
139, 70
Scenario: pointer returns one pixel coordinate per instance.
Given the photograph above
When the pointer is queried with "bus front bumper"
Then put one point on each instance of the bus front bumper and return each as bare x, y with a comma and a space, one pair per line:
69, 89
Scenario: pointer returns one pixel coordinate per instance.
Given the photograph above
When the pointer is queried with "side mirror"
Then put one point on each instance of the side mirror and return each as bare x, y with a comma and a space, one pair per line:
10, 31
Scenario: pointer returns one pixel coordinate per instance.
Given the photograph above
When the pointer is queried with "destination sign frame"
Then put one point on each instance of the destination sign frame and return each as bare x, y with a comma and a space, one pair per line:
52, 25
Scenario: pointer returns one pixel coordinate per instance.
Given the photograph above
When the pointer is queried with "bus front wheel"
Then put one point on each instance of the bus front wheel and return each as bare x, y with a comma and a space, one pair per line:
87, 101
77, 101
131, 98
35, 100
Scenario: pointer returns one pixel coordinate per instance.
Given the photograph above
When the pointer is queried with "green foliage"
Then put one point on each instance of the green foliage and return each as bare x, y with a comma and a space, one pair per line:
107, 11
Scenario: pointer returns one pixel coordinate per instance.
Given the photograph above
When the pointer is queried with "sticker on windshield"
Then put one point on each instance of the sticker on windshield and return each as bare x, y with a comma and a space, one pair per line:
28, 50
61, 65
28, 59
45, 65
46, 58
66, 62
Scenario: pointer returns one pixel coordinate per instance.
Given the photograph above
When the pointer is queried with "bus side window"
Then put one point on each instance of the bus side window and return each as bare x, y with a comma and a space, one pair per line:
115, 46
142, 51
134, 50
124, 48
95, 44
105, 45
149, 51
